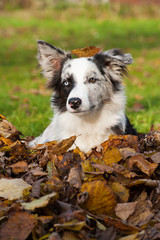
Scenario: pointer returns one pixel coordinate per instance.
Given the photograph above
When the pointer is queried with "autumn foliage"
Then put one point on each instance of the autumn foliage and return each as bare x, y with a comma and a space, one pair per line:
49, 192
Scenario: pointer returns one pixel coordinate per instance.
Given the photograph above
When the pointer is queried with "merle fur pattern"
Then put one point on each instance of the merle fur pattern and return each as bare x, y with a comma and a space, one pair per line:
88, 96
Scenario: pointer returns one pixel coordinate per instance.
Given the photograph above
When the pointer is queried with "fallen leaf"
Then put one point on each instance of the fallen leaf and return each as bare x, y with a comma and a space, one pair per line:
103, 168
74, 177
131, 237
121, 225
72, 225
19, 226
142, 214
120, 190
156, 158
145, 182
145, 166
127, 152
63, 146
130, 141
122, 170
8, 130
111, 156
124, 210
137, 107
19, 167
86, 52
41, 202
101, 199
12, 189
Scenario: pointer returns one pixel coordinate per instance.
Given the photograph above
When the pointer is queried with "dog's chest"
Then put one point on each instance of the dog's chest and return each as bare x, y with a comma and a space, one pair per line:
90, 130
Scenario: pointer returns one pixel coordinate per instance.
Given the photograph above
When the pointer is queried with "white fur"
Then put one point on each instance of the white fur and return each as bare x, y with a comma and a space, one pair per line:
91, 130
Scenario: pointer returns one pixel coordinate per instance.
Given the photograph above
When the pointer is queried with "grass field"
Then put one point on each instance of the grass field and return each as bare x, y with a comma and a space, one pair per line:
24, 100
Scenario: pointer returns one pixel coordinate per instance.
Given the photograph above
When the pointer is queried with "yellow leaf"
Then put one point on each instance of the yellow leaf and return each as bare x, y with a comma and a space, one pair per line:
100, 197
111, 156
86, 52
121, 191
39, 203
63, 146
73, 225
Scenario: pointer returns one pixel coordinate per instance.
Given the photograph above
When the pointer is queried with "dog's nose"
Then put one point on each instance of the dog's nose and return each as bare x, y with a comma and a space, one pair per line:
75, 102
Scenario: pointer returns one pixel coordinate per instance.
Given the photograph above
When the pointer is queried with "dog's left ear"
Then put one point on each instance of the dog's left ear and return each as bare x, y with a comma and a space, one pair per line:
114, 61
51, 60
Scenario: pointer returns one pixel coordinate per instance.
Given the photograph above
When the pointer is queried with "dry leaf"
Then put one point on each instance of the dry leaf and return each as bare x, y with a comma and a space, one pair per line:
145, 166
86, 52
63, 146
12, 189
8, 130
131, 237
111, 156
18, 226
120, 190
73, 225
101, 199
127, 152
142, 214
19, 167
121, 225
41, 202
124, 210
122, 170
74, 177
156, 158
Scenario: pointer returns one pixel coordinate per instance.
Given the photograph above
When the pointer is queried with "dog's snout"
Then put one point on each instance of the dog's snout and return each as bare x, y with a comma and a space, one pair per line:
75, 102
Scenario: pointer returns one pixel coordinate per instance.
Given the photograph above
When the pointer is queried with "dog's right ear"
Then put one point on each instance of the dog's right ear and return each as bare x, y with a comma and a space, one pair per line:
51, 60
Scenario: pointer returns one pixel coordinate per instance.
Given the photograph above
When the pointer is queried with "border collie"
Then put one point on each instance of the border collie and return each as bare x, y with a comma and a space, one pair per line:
88, 96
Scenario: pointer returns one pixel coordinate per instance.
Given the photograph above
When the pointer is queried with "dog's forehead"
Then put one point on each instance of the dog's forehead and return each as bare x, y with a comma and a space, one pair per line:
79, 66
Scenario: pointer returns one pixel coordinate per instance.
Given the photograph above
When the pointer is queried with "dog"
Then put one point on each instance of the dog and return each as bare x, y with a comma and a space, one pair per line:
88, 96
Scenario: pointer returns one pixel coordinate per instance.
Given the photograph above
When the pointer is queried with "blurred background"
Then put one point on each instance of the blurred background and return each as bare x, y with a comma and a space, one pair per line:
133, 25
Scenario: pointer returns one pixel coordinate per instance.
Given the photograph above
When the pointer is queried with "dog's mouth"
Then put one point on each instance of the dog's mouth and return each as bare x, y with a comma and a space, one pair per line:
81, 111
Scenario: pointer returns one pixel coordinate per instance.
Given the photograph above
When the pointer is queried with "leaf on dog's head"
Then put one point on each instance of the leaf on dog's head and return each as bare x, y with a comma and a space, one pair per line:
86, 52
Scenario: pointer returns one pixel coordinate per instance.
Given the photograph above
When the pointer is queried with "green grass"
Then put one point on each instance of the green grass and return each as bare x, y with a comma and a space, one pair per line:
74, 28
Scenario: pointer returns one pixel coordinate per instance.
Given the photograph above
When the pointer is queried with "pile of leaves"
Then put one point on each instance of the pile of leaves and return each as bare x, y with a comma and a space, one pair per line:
49, 192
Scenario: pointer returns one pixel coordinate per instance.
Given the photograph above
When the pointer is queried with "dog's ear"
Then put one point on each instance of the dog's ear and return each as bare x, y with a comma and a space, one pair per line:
51, 60
114, 61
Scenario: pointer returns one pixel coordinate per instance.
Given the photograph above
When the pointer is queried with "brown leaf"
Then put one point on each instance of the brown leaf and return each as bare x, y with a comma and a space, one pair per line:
124, 210
63, 146
8, 130
143, 213
145, 166
74, 177
86, 52
103, 168
156, 158
121, 225
146, 182
121, 142
122, 170
19, 167
18, 226
131, 237
101, 199
127, 152
137, 107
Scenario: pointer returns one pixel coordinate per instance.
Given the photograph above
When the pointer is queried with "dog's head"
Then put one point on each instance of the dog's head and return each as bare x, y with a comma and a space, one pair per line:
82, 85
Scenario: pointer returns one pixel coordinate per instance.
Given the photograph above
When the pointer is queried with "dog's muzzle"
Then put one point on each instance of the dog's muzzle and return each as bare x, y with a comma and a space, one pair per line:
74, 103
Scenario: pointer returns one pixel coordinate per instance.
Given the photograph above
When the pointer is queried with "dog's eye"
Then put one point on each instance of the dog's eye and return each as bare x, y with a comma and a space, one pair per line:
66, 83
92, 80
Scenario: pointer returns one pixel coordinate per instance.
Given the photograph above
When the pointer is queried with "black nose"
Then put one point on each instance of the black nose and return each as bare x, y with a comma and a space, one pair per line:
75, 102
